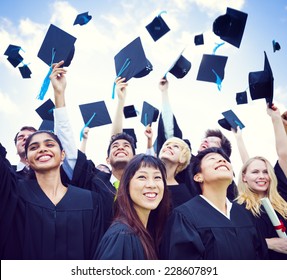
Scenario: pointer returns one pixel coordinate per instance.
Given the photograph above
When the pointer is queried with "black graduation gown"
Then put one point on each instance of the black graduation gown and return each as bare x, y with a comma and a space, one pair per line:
264, 222
120, 243
196, 230
32, 227
179, 194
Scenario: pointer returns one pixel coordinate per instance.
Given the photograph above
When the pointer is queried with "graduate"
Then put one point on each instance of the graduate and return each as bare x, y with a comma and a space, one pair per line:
141, 209
175, 154
41, 218
209, 226
257, 180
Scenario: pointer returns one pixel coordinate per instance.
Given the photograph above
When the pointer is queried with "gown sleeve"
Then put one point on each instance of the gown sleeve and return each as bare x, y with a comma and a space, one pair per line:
180, 240
282, 181
119, 243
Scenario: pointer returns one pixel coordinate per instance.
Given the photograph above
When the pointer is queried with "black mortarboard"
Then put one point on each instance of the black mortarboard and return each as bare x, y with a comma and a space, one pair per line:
157, 28
25, 71
211, 68
57, 45
261, 83
131, 61
241, 98
131, 132
95, 114
149, 114
198, 39
230, 27
276, 46
83, 18
230, 120
12, 50
47, 125
130, 111
45, 111
15, 60
180, 67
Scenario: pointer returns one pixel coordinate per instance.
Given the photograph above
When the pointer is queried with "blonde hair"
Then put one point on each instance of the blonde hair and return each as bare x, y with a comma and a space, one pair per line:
185, 154
251, 199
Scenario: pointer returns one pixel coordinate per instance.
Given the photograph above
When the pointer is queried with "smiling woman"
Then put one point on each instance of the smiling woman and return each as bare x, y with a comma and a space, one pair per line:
142, 206
43, 218
209, 226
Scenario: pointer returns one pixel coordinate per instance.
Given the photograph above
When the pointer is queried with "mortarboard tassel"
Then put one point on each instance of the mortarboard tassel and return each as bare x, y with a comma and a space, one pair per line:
216, 47
86, 125
218, 80
46, 82
124, 67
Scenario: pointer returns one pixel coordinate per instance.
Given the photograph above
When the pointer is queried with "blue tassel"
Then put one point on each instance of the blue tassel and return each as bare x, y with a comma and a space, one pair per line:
218, 80
45, 85
46, 82
124, 67
217, 46
162, 12
86, 125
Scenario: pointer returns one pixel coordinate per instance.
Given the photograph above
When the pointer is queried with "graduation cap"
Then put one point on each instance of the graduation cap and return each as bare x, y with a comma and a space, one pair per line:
211, 69
14, 57
230, 27
130, 111
45, 111
82, 19
157, 28
47, 125
230, 120
131, 61
276, 46
57, 45
180, 67
241, 98
94, 114
149, 114
261, 83
131, 132
25, 71
198, 39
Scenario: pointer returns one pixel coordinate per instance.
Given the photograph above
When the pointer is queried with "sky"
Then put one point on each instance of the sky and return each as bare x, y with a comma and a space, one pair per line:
197, 105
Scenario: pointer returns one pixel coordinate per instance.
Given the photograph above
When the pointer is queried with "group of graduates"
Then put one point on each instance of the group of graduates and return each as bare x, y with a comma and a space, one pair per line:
164, 204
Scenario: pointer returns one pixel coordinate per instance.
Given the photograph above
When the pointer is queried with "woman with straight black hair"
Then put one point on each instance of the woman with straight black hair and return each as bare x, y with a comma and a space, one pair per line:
141, 209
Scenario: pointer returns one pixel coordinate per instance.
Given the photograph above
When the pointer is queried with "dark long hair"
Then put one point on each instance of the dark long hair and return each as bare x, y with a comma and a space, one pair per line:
124, 210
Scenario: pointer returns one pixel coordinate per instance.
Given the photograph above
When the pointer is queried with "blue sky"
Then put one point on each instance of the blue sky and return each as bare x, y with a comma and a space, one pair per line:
197, 105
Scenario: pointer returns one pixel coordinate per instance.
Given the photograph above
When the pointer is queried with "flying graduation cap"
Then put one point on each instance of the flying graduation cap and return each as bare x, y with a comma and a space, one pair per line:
157, 28
261, 83
180, 67
57, 45
276, 46
241, 98
131, 62
230, 120
45, 111
211, 69
94, 114
230, 26
130, 111
83, 18
198, 39
149, 114
14, 57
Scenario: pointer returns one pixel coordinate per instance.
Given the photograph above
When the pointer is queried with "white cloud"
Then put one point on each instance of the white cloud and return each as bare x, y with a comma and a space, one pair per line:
7, 105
